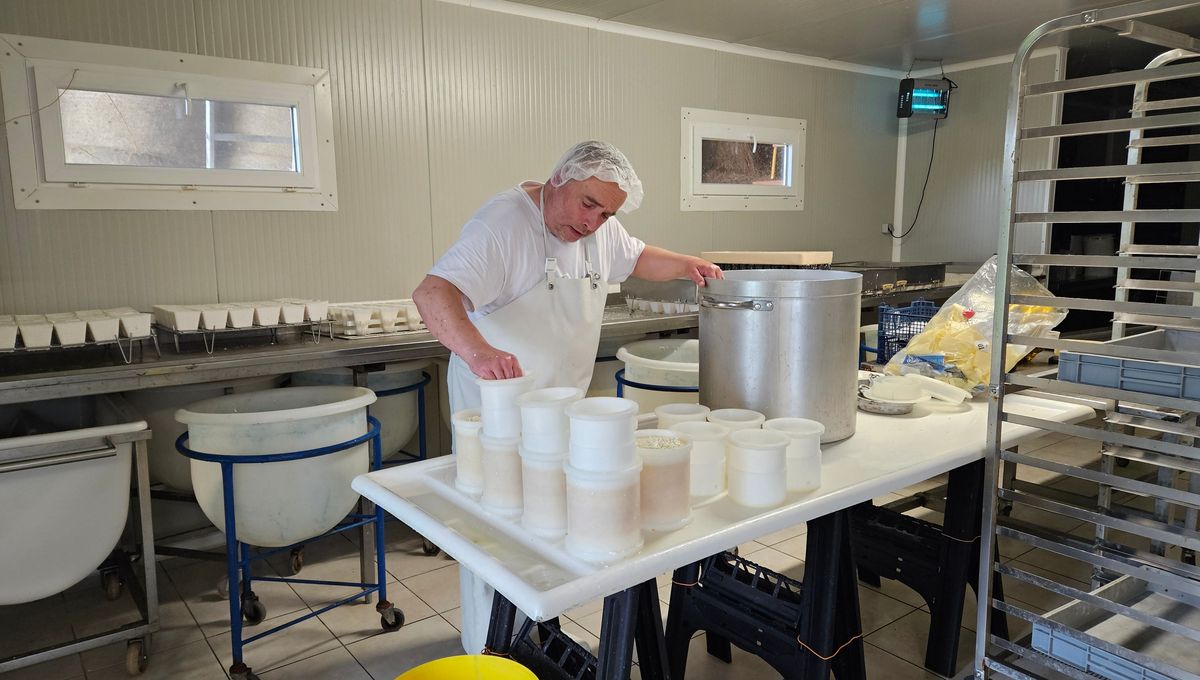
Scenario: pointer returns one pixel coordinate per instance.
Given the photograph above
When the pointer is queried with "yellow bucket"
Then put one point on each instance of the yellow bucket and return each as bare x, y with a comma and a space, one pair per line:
469, 667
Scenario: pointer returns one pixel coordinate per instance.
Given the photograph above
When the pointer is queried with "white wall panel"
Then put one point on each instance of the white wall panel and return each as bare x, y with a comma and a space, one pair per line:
436, 107
962, 213
377, 244
68, 260
641, 87
507, 96
849, 174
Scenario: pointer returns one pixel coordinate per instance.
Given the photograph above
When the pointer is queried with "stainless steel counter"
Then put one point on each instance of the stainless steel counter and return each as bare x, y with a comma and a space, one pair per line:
291, 354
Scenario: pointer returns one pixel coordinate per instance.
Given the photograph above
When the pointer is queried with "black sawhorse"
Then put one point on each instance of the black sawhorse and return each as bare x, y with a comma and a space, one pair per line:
939, 563
803, 630
631, 617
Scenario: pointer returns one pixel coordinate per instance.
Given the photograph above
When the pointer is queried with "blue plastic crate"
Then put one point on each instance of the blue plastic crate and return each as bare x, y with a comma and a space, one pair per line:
1136, 375
898, 325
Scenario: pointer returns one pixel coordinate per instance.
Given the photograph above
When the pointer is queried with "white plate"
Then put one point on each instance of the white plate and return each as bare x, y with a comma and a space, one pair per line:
916, 400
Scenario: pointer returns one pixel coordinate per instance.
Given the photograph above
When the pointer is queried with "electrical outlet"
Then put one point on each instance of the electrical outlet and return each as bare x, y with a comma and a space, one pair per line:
887, 228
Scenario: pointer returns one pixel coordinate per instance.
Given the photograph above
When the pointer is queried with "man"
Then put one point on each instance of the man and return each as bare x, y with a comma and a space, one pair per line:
523, 291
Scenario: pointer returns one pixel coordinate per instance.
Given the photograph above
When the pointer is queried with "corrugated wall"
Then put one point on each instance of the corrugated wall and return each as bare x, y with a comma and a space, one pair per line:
436, 107
961, 215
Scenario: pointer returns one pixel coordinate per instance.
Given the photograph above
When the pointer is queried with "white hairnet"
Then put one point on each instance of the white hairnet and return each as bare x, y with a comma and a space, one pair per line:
604, 162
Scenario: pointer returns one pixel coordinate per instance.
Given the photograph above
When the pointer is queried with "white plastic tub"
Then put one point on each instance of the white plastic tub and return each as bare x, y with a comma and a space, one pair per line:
468, 452
666, 479
667, 363
675, 413
280, 503
502, 483
803, 452
603, 513
602, 434
397, 413
544, 422
158, 407
61, 510
498, 405
708, 456
544, 487
757, 467
737, 418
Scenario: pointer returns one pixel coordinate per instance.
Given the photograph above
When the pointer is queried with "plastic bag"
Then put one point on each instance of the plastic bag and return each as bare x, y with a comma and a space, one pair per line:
955, 346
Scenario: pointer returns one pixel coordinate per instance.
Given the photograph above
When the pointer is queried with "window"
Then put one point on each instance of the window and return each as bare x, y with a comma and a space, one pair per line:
737, 161
97, 126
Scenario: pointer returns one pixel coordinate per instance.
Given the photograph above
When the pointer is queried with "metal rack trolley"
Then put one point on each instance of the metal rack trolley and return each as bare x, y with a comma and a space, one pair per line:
238, 556
1138, 618
117, 571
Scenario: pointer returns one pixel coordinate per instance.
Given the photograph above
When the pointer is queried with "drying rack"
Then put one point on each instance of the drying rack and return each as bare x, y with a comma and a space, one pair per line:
124, 346
315, 330
1126, 529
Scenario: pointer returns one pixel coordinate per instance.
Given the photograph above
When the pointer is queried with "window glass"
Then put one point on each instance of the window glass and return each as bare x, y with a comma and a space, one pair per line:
738, 162
113, 128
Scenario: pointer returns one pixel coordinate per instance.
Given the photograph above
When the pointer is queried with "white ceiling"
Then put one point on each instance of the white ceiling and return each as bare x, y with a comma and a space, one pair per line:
882, 33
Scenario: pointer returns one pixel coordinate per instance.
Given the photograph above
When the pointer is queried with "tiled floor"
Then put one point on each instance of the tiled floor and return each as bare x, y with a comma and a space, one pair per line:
347, 642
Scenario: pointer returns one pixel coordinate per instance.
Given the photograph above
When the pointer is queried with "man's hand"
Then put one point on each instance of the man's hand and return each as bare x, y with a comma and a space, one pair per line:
494, 364
659, 264
698, 269
444, 309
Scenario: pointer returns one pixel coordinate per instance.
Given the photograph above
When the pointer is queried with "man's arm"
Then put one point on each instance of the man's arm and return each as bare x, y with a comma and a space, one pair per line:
443, 308
660, 264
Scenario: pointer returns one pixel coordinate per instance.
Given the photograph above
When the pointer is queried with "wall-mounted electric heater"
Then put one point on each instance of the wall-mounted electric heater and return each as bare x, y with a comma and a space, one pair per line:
924, 97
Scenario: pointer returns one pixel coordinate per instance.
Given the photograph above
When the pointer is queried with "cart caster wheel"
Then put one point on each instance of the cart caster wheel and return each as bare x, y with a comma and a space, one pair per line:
223, 587
111, 581
1122, 462
391, 619
297, 562
241, 672
1189, 556
429, 548
253, 610
135, 657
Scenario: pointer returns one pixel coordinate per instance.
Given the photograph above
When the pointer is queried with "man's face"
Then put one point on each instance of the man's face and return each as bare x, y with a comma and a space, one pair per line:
578, 208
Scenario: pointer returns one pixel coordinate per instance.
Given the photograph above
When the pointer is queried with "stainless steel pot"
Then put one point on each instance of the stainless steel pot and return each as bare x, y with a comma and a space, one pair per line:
783, 342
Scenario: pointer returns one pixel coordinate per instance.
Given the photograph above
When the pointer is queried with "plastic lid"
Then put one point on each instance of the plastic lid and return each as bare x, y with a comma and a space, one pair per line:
759, 439
549, 396
938, 389
797, 427
735, 415
700, 430
602, 408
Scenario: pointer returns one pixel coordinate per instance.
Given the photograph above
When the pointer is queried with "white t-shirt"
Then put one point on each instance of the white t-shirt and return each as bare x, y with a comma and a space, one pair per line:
500, 255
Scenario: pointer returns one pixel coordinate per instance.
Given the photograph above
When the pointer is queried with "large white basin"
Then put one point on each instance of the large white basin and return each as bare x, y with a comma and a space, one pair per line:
662, 363
60, 520
280, 503
158, 407
397, 413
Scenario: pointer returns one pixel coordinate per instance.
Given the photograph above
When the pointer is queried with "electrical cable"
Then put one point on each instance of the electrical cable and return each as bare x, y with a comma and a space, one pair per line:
928, 172
52, 102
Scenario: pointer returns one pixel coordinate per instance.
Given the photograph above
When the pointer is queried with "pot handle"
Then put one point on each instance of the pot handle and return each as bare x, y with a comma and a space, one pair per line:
748, 305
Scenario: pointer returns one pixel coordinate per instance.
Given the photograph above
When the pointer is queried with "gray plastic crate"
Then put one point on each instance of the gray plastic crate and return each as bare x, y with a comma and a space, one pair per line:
1135, 375
1085, 657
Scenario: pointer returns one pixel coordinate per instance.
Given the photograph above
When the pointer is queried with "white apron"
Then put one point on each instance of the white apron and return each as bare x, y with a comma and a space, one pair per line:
554, 331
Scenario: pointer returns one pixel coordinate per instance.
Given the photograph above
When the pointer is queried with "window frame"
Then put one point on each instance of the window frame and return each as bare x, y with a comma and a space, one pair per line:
34, 69
696, 125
